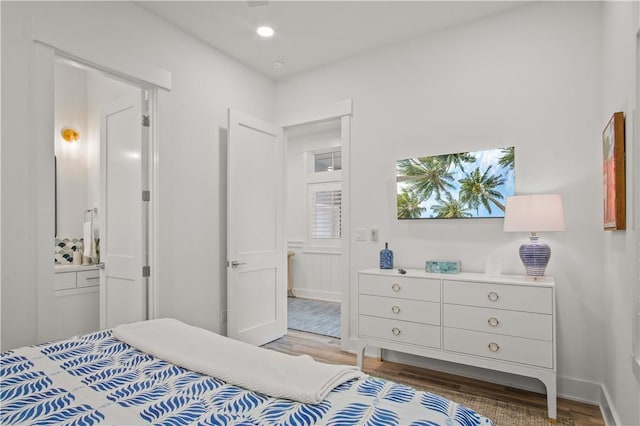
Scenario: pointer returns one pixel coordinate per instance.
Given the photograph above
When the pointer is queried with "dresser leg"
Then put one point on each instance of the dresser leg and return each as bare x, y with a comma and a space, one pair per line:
549, 380
360, 355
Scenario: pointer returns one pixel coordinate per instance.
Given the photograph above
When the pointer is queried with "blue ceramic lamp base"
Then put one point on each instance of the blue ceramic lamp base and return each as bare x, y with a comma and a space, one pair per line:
535, 257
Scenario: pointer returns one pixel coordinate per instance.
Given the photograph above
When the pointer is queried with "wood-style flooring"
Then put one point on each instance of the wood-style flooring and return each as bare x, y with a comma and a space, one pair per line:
327, 349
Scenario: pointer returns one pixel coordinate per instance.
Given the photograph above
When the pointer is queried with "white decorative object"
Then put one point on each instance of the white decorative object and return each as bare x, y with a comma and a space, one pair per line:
504, 323
493, 267
534, 213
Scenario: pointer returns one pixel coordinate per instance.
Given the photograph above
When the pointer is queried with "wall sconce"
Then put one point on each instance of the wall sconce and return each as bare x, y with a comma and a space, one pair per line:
69, 134
533, 213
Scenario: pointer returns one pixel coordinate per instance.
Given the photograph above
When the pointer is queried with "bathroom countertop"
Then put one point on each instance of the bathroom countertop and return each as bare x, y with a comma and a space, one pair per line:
76, 268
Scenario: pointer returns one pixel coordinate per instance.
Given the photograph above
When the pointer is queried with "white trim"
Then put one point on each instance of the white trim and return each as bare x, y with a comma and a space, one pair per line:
321, 251
607, 409
119, 66
42, 110
345, 307
311, 249
318, 113
153, 307
305, 293
633, 159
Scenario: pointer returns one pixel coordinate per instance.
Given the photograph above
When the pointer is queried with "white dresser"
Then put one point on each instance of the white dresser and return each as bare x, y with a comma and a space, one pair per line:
504, 323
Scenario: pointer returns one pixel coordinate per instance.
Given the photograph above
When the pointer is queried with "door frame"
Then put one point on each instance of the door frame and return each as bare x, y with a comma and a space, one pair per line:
343, 111
41, 102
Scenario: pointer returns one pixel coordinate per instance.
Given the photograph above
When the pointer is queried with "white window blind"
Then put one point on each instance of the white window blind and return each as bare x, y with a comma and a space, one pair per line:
325, 211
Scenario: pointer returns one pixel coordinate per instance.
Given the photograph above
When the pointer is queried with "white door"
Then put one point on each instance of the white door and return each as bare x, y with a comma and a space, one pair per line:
256, 269
123, 290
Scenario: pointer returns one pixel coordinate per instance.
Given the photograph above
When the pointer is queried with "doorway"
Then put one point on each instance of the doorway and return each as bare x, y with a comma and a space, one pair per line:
157, 82
101, 164
314, 227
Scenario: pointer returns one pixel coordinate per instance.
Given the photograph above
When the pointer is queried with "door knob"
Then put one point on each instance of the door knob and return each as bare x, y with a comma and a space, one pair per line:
235, 263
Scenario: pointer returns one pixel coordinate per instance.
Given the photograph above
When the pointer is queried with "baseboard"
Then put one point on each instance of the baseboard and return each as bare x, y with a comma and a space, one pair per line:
568, 388
491, 376
609, 413
317, 294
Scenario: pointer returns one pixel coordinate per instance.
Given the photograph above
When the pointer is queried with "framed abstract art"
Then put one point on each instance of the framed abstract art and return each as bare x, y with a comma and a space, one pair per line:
613, 173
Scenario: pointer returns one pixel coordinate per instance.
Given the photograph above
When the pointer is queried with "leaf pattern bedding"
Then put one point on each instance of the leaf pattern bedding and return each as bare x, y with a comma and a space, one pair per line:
96, 379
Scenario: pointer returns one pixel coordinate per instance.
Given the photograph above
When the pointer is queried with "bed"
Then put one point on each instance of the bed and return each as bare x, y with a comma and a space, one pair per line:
99, 379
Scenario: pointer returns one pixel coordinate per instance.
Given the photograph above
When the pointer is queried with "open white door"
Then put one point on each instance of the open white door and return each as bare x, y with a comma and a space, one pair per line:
256, 267
123, 289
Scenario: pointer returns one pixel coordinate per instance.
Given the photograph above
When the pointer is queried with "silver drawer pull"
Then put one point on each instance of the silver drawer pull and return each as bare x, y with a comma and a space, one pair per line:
493, 321
396, 287
92, 278
493, 296
395, 309
494, 347
395, 331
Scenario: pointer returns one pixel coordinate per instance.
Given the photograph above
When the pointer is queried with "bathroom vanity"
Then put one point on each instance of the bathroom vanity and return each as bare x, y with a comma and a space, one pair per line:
77, 294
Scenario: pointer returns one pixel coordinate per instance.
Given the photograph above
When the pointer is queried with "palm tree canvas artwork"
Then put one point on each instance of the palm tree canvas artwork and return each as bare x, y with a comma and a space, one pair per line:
452, 186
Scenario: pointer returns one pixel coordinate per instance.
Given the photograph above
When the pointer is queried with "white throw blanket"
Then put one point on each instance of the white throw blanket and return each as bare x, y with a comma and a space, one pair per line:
279, 375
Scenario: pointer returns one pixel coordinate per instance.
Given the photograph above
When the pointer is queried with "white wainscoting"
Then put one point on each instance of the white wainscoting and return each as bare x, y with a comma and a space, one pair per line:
316, 272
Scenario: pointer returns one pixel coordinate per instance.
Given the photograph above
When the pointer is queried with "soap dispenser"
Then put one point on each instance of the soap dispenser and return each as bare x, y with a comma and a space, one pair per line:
386, 257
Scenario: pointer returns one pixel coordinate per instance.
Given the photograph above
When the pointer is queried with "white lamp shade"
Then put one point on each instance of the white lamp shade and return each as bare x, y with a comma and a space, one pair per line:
534, 213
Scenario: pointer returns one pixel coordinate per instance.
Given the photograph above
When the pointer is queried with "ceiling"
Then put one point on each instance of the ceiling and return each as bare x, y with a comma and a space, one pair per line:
310, 34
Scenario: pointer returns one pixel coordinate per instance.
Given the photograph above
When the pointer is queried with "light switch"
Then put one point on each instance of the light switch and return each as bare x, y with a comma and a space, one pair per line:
374, 234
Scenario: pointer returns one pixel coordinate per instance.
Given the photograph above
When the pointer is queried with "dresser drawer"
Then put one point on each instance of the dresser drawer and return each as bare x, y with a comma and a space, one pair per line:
402, 287
88, 278
505, 348
399, 331
400, 309
512, 323
64, 280
499, 296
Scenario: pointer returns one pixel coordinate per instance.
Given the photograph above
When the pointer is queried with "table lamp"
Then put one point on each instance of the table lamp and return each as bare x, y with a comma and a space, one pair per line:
534, 213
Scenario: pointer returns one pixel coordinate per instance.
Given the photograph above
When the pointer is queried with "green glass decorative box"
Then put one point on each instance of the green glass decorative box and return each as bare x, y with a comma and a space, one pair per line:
442, 266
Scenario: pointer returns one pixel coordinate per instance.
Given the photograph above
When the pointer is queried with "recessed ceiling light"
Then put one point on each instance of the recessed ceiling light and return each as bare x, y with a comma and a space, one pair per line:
278, 64
265, 31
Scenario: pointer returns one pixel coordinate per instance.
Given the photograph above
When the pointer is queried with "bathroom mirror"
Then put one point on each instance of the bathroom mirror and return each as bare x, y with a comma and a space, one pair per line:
55, 196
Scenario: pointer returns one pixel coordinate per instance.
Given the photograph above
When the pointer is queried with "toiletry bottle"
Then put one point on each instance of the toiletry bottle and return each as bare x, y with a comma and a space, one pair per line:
77, 257
386, 257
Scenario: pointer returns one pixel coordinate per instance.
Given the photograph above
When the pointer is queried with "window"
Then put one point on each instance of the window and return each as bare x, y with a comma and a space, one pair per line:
324, 197
327, 161
325, 212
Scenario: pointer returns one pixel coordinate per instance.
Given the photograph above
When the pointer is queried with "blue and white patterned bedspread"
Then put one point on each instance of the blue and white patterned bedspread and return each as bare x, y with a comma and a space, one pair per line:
97, 379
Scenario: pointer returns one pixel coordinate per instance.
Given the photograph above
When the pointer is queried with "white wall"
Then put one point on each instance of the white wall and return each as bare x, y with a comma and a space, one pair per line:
530, 78
192, 151
71, 111
621, 23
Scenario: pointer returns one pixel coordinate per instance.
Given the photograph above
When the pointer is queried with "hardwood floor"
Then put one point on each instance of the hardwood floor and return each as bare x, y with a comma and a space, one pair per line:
327, 349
